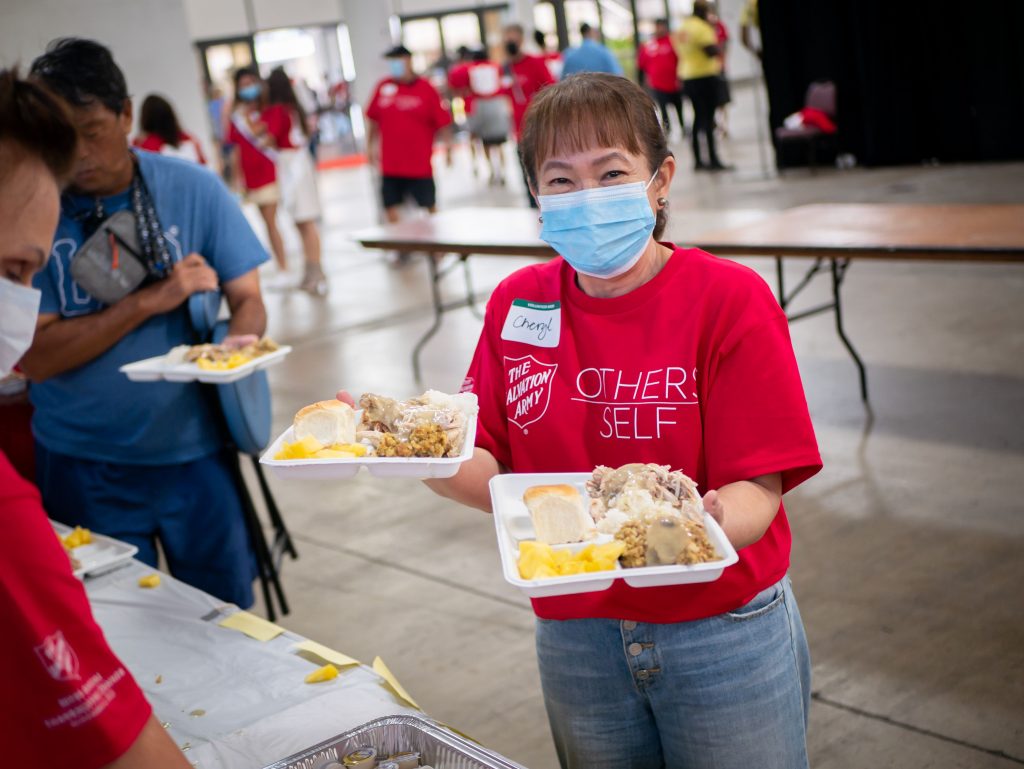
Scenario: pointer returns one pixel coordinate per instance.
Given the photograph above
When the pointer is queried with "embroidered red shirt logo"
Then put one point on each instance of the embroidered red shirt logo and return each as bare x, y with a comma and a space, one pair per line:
58, 657
529, 389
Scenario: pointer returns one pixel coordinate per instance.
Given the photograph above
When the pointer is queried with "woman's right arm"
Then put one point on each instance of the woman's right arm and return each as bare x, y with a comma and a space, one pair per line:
469, 485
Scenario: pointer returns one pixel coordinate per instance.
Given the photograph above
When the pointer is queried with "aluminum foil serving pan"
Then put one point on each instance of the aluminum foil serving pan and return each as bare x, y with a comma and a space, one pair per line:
438, 747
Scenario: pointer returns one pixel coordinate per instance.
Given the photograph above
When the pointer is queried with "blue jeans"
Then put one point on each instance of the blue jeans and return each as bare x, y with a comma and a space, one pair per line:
192, 508
725, 692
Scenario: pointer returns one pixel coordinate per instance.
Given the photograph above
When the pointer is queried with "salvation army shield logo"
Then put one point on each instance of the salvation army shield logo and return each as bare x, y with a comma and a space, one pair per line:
58, 657
528, 389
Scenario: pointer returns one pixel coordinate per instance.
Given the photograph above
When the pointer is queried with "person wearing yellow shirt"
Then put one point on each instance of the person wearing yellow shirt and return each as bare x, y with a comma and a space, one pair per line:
699, 68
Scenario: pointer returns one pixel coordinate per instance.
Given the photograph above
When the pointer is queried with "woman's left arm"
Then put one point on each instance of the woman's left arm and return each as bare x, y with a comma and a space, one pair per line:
745, 509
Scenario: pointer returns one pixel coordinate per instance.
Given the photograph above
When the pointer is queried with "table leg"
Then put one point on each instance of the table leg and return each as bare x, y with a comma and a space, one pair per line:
435, 294
470, 299
839, 267
264, 561
281, 533
780, 280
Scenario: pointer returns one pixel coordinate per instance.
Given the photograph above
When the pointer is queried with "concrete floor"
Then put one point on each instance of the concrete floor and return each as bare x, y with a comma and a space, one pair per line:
907, 545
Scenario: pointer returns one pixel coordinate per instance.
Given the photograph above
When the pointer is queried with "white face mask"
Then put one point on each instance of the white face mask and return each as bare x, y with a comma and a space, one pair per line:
19, 309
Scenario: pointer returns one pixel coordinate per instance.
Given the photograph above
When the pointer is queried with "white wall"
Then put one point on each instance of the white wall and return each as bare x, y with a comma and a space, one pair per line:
149, 40
271, 14
213, 19
431, 6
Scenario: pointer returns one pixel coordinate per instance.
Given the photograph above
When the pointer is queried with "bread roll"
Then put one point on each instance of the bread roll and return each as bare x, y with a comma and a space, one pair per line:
329, 422
558, 514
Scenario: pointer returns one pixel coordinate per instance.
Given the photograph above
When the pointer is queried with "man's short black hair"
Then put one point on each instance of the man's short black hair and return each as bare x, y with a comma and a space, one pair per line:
585, 29
82, 72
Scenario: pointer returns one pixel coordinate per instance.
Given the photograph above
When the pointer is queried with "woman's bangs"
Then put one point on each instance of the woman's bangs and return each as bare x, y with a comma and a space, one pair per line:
576, 126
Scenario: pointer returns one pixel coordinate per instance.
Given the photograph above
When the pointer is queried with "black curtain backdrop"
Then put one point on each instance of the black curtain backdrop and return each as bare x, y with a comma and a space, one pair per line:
915, 81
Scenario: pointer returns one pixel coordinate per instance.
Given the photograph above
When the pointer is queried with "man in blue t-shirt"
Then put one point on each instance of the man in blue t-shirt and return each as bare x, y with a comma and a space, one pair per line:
140, 462
590, 56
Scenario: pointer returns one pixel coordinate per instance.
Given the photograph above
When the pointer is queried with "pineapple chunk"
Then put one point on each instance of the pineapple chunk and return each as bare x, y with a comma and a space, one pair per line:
333, 454
540, 561
303, 449
326, 673
150, 580
77, 537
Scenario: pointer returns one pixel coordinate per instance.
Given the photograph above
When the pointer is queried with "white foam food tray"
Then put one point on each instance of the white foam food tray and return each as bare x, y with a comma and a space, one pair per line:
101, 555
513, 525
160, 368
384, 467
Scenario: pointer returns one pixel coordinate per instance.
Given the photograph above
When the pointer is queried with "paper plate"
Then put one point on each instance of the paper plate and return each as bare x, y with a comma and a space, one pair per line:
157, 368
512, 524
384, 467
101, 555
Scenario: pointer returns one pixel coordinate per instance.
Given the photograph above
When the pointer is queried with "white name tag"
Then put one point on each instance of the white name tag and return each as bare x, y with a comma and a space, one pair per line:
536, 323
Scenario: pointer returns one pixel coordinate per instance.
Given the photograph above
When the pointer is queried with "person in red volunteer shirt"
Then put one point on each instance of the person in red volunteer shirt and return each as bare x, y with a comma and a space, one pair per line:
68, 701
649, 353
659, 63
458, 78
161, 132
524, 76
724, 92
251, 128
405, 114
459, 86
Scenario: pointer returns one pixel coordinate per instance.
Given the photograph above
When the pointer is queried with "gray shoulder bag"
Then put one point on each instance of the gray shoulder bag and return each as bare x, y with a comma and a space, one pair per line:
109, 265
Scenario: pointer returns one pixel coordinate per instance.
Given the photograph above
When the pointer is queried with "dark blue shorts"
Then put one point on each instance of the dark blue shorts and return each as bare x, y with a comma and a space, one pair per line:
193, 509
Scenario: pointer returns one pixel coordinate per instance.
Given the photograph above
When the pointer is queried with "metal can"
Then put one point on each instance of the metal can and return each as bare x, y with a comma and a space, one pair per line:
361, 757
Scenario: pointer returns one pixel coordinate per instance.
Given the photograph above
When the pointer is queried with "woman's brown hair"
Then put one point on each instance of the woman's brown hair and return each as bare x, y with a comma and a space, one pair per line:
593, 110
157, 117
34, 123
280, 91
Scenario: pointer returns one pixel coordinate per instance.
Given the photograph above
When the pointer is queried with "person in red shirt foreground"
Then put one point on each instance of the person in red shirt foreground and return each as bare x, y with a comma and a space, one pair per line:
68, 700
405, 114
256, 154
524, 76
161, 132
659, 64
650, 353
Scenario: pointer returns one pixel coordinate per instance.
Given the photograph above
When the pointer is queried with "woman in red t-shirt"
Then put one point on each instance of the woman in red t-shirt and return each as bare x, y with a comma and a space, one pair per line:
68, 700
162, 133
650, 353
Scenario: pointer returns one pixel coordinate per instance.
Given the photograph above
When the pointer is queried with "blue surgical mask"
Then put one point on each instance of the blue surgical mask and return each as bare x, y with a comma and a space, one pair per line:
601, 232
250, 92
396, 67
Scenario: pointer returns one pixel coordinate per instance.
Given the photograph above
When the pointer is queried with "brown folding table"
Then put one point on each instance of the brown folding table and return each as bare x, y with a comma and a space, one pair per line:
835, 234
830, 234
463, 232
